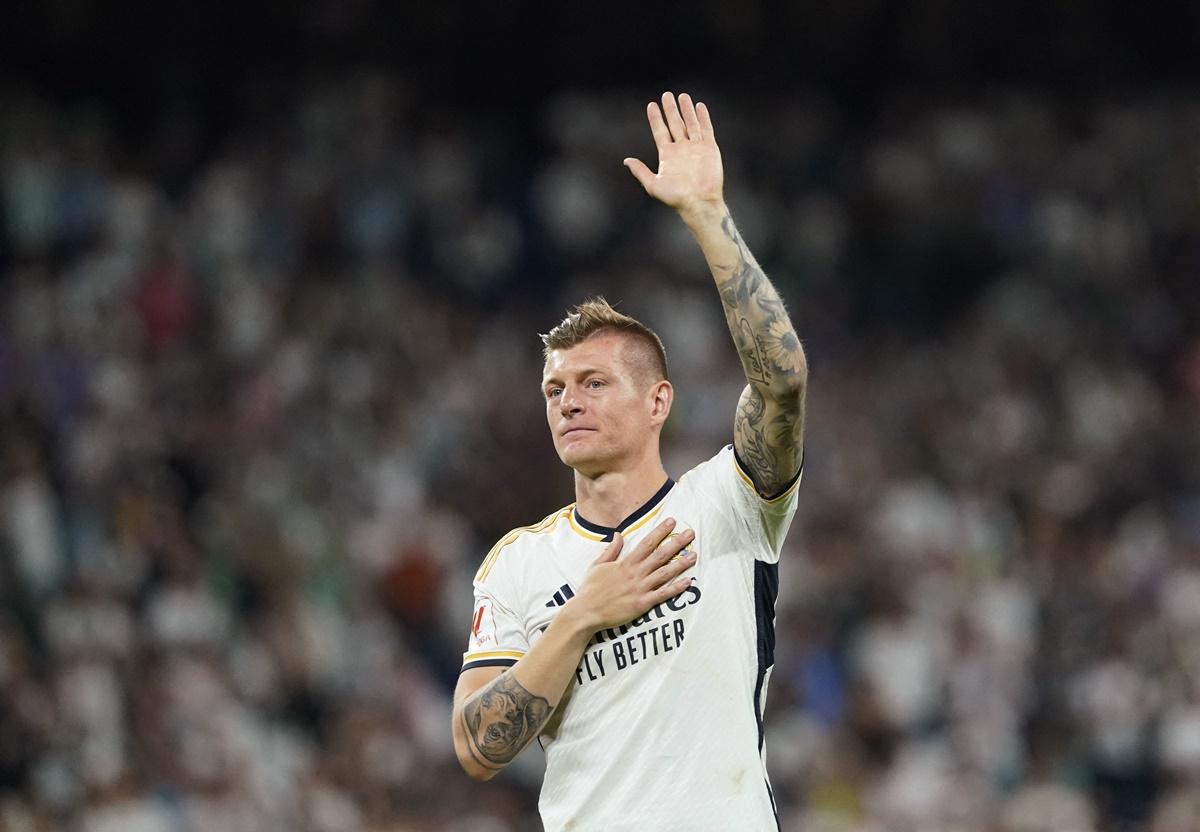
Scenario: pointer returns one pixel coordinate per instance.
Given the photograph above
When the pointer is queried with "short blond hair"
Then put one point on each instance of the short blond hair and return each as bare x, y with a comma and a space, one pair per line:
595, 316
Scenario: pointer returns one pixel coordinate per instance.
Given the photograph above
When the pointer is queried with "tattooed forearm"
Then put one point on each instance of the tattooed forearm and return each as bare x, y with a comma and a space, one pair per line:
754, 359
770, 416
769, 424
501, 720
762, 332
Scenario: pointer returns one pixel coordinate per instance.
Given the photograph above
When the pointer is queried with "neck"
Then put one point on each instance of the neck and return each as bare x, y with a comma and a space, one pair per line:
609, 497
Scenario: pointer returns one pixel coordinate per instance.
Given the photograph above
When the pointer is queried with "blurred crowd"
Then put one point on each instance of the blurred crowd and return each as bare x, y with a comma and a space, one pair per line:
268, 396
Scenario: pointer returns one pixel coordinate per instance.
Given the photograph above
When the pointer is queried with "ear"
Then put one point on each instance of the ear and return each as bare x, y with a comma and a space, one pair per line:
661, 396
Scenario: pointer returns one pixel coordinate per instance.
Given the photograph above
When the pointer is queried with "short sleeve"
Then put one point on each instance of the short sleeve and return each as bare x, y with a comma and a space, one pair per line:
497, 637
761, 522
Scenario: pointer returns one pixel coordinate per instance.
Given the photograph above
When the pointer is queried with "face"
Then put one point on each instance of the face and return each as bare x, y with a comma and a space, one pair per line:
599, 413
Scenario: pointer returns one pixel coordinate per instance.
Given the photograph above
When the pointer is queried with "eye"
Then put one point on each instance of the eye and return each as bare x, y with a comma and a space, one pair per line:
553, 391
595, 384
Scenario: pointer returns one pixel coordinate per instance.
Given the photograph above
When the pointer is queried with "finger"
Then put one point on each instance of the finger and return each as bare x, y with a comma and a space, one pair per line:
688, 109
671, 569
674, 120
669, 548
673, 545
653, 540
658, 127
640, 172
611, 550
676, 544
669, 590
702, 115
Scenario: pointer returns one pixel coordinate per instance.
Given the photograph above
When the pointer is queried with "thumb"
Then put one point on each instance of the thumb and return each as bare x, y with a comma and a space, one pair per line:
611, 550
642, 173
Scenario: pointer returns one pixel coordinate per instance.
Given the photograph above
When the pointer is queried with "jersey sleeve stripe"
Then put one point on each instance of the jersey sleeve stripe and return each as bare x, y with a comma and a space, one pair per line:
487, 663
493, 654
787, 490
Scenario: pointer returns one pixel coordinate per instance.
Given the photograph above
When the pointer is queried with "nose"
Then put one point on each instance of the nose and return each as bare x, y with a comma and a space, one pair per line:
568, 403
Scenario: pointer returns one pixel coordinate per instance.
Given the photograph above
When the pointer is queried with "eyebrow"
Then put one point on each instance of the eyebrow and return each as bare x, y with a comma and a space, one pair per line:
587, 371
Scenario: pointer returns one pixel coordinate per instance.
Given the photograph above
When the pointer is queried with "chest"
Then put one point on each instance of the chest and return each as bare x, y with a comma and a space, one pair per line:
559, 569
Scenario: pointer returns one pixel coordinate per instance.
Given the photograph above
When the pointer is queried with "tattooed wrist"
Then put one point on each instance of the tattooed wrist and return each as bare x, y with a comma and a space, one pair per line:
501, 720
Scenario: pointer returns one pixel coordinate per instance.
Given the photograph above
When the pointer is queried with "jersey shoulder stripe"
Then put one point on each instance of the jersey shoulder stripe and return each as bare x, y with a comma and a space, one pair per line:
543, 525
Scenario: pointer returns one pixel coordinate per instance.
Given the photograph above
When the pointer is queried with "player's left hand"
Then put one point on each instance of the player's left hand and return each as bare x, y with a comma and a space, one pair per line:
689, 162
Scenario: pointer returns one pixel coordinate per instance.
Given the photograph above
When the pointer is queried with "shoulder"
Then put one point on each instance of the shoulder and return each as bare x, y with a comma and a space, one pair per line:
721, 469
522, 535
724, 476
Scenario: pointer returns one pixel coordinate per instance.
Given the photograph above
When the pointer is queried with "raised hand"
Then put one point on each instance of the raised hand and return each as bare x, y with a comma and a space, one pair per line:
689, 161
617, 590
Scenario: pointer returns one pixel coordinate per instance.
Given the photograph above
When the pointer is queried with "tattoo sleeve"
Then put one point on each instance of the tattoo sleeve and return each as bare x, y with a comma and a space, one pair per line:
501, 720
769, 423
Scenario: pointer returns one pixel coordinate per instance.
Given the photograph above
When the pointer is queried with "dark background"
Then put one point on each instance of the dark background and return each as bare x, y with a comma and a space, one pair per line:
270, 283
222, 60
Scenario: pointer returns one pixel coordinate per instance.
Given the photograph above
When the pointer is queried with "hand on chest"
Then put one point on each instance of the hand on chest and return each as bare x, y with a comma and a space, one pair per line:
657, 631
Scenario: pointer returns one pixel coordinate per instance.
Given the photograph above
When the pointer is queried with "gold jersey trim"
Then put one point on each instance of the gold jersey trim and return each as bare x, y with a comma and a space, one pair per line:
491, 654
750, 483
641, 521
580, 530
542, 526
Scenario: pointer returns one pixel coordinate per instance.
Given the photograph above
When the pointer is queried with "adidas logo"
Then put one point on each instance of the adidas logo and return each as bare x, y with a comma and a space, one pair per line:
564, 594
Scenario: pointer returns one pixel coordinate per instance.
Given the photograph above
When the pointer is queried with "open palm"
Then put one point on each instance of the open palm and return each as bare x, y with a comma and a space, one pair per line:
689, 161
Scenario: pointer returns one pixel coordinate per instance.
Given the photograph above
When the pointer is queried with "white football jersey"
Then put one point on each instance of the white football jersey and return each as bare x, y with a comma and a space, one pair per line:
662, 727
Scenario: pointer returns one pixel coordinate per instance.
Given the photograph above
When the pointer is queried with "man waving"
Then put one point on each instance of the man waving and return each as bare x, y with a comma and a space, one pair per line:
633, 630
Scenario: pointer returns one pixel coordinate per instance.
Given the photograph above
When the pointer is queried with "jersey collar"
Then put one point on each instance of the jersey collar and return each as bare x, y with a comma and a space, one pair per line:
640, 516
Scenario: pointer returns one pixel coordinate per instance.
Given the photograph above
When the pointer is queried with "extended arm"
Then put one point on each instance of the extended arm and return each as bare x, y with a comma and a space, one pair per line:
769, 422
497, 713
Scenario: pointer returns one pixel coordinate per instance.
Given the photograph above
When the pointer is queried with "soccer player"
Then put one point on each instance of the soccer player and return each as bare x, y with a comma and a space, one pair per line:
633, 631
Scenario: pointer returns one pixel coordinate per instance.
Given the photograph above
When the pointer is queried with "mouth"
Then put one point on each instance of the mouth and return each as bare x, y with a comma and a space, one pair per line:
576, 432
